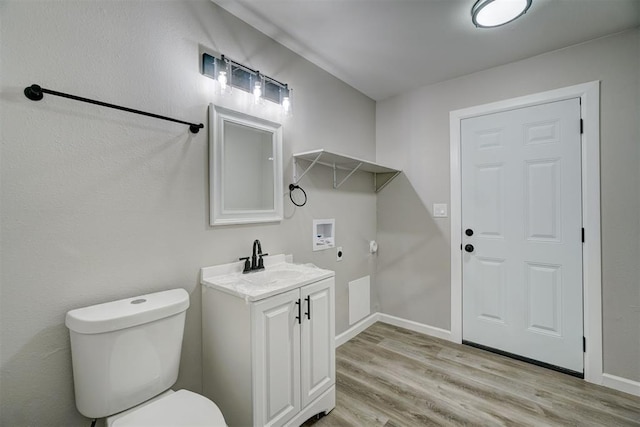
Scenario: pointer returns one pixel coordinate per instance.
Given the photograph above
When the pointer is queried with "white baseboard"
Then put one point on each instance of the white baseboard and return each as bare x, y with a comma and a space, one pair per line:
391, 320
421, 328
621, 384
356, 329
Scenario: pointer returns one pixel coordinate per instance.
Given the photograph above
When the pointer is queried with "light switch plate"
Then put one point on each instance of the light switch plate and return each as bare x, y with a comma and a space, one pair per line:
439, 210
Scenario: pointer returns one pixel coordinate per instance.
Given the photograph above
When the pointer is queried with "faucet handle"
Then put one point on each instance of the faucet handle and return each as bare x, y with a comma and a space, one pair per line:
260, 261
247, 264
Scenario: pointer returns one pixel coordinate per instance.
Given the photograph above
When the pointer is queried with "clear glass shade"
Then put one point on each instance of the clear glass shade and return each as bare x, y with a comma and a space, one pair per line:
286, 106
258, 84
223, 76
285, 101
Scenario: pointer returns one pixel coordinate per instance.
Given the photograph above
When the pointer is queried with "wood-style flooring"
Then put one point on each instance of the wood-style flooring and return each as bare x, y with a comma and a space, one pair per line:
389, 376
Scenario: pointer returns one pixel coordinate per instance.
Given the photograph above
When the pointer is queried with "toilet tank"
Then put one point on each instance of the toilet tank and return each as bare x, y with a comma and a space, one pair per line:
126, 352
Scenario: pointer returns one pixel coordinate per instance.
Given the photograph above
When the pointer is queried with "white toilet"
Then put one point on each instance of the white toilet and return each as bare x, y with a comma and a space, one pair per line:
126, 356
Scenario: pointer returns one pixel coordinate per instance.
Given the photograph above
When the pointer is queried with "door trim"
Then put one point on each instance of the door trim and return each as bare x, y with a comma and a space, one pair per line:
589, 94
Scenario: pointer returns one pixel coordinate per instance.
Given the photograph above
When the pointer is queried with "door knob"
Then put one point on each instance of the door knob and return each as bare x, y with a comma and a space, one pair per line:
468, 232
468, 248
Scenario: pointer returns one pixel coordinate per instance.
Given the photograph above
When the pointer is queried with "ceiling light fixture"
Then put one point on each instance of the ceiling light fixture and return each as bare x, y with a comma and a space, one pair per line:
494, 13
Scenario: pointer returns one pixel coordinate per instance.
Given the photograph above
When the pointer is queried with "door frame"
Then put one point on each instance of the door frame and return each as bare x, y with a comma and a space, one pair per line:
589, 94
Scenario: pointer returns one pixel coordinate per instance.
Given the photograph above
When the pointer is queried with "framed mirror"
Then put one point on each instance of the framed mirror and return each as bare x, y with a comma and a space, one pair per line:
245, 168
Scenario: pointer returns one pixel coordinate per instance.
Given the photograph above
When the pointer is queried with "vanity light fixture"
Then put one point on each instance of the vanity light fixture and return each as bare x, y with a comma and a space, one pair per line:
230, 74
494, 13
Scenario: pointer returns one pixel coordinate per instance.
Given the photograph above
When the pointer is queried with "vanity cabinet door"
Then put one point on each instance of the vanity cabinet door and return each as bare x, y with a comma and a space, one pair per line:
276, 359
318, 339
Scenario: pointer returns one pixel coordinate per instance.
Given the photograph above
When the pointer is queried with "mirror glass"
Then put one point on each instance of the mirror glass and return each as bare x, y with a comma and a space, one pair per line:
245, 159
248, 168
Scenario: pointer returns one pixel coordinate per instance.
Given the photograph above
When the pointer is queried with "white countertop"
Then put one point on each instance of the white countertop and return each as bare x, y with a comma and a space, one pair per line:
278, 276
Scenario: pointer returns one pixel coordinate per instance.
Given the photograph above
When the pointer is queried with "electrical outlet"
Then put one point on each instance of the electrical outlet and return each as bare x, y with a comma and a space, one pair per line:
339, 253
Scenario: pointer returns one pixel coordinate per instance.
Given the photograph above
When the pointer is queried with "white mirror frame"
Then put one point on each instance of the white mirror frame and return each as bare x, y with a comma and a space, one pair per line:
218, 214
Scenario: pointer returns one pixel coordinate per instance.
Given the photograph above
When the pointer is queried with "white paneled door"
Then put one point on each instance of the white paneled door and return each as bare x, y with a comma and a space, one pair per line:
522, 233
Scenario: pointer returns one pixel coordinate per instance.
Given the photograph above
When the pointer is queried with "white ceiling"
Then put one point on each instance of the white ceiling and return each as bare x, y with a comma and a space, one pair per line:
386, 47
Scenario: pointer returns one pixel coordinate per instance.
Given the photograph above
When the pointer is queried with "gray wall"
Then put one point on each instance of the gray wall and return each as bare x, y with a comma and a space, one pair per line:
98, 205
412, 133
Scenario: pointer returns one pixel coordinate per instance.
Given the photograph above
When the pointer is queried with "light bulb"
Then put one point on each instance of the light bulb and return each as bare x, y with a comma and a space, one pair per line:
286, 106
222, 79
257, 92
285, 96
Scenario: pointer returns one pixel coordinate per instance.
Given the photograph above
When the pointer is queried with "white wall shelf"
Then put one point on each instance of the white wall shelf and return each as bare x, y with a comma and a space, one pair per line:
382, 175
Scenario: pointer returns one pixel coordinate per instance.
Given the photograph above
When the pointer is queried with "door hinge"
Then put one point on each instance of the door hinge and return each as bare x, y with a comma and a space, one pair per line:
584, 345
582, 234
581, 126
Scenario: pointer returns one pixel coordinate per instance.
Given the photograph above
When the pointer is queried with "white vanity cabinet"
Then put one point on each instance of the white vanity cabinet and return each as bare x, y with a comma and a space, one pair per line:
294, 351
270, 361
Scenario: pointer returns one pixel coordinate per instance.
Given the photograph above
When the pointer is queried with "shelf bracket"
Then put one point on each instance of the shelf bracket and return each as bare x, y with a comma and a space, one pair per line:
386, 182
296, 178
335, 178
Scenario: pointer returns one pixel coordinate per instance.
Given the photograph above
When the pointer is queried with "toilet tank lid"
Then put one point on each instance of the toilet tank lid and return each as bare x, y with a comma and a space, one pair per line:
128, 312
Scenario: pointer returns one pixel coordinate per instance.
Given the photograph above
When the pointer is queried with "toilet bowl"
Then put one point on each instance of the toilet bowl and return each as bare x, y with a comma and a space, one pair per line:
171, 409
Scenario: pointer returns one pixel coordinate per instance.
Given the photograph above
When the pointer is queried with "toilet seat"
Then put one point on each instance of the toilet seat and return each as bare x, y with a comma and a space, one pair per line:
180, 409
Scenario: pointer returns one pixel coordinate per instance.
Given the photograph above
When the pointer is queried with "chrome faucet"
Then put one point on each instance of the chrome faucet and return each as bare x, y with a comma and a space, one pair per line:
256, 263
